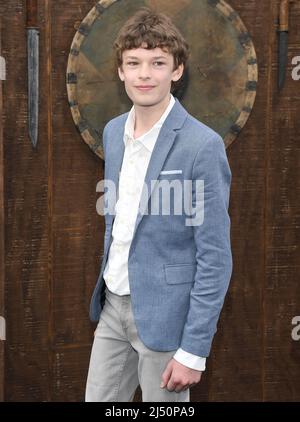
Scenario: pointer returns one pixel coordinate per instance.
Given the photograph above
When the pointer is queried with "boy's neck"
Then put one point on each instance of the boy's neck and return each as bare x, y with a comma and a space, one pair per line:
146, 117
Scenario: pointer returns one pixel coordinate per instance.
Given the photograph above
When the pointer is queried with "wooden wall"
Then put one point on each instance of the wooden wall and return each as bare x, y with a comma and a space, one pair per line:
2, 239
53, 235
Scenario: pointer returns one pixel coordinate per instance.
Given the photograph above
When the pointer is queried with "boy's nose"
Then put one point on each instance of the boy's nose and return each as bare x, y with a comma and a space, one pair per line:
144, 71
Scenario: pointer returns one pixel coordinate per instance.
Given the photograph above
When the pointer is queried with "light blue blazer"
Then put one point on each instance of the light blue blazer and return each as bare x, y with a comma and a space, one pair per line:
178, 273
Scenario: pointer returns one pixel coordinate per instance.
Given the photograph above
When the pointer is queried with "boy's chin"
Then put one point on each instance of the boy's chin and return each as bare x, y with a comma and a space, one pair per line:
144, 100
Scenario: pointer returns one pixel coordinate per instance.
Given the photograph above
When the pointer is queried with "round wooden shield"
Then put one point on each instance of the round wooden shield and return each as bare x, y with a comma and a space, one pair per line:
219, 87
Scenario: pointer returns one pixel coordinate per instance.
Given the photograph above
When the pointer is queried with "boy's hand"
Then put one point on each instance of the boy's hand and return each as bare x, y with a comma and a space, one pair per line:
179, 377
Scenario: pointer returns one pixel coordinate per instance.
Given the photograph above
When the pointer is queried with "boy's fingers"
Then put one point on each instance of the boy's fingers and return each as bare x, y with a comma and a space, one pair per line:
166, 376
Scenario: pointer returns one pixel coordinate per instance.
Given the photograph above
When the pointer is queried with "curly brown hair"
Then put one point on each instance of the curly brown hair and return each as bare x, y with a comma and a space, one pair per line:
156, 30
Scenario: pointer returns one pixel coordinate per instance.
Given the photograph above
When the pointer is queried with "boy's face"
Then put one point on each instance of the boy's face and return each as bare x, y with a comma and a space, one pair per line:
152, 68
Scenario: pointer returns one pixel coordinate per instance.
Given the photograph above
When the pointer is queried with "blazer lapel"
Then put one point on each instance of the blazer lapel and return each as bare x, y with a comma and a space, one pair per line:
114, 161
165, 140
164, 143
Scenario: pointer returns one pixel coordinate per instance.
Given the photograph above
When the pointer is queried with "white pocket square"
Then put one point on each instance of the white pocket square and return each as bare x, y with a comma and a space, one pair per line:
171, 172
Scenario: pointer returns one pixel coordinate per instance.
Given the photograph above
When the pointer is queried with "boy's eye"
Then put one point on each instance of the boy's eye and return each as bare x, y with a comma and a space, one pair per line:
134, 63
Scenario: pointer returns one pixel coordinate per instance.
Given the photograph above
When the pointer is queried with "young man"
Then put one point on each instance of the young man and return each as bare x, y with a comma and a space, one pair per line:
163, 276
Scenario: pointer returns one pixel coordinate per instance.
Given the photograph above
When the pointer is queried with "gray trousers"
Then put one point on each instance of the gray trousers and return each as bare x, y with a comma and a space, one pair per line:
120, 361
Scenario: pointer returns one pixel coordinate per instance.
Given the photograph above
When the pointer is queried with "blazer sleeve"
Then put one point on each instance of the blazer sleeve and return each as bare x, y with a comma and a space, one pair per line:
213, 249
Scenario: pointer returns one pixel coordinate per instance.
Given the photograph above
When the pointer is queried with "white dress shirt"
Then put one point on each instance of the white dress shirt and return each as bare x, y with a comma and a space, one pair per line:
135, 163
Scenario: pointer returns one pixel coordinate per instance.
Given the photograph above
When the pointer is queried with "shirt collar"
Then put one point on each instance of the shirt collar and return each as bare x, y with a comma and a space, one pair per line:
149, 138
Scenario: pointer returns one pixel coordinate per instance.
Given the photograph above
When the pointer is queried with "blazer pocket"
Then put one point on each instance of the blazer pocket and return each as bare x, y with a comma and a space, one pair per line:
171, 172
179, 273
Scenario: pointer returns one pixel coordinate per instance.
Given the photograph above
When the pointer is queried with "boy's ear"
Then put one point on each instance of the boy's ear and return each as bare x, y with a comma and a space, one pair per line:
120, 72
177, 73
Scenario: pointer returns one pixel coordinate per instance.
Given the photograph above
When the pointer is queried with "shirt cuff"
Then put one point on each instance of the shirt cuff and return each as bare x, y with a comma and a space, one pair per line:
190, 360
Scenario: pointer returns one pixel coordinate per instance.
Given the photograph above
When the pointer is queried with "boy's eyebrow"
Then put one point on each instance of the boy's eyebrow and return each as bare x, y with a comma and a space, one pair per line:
157, 57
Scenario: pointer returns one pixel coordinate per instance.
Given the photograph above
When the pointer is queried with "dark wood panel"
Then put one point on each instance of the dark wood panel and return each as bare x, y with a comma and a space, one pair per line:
236, 362
26, 221
2, 235
77, 228
70, 372
282, 293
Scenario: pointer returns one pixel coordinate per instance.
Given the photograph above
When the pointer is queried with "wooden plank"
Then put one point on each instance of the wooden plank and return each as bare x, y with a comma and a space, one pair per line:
26, 225
282, 289
77, 229
2, 245
235, 366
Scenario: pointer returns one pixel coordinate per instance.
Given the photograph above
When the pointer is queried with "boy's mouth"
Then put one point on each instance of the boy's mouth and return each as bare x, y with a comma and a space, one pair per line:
144, 87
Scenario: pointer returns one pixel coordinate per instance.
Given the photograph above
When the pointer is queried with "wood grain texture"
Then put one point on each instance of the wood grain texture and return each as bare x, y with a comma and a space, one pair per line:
26, 223
47, 238
77, 229
235, 366
2, 235
282, 223
31, 13
54, 236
